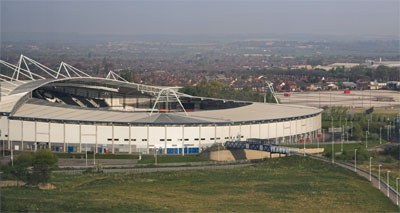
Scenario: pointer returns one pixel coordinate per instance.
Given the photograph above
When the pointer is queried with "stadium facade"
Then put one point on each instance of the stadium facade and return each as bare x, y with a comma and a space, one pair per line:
67, 110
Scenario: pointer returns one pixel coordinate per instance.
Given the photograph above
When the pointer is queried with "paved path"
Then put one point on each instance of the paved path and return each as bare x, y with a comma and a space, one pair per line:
374, 179
81, 163
158, 169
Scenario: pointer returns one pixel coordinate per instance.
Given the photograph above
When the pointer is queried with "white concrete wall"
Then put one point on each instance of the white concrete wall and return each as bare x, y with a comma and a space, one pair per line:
144, 137
56, 132
4, 128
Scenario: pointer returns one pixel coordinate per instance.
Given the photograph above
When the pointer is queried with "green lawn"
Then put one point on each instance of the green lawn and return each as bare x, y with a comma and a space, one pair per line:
337, 146
293, 184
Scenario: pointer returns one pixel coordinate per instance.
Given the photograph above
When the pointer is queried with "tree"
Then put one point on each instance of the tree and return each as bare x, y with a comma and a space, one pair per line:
357, 132
44, 161
20, 170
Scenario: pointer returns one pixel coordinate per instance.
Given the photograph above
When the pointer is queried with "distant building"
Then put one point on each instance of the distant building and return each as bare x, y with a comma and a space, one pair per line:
374, 85
320, 67
337, 65
344, 65
393, 85
349, 85
375, 64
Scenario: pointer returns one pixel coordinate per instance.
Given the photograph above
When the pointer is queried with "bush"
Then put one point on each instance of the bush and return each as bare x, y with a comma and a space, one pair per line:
43, 162
20, 170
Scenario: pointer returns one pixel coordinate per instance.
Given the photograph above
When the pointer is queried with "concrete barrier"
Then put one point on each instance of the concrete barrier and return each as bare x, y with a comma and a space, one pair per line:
312, 150
240, 154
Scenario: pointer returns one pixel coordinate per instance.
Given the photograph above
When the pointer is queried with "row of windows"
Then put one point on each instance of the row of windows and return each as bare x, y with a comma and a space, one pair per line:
180, 139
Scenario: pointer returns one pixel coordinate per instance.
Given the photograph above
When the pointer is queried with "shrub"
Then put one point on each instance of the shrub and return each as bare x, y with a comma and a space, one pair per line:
43, 162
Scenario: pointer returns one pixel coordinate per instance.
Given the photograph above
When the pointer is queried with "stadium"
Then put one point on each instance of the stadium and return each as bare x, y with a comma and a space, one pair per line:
67, 110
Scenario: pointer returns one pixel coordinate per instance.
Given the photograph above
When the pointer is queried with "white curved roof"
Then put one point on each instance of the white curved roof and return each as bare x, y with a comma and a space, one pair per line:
18, 104
34, 110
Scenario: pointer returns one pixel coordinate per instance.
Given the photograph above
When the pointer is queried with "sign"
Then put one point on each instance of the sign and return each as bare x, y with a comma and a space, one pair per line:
335, 129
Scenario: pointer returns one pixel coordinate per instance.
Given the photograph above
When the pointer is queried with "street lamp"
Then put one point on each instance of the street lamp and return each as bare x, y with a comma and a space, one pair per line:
387, 182
355, 160
397, 189
370, 169
342, 137
86, 154
366, 139
379, 176
351, 129
380, 135
333, 141
155, 156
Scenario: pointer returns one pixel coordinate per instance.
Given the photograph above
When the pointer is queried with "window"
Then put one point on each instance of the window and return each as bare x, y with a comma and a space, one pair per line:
162, 139
144, 139
169, 140
109, 139
196, 139
203, 139
186, 139
212, 139
116, 139
126, 139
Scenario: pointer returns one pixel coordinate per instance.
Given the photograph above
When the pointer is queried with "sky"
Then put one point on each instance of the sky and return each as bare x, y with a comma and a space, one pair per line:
191, 17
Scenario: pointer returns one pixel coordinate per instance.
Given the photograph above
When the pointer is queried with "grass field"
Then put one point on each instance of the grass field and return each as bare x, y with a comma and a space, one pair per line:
293, 184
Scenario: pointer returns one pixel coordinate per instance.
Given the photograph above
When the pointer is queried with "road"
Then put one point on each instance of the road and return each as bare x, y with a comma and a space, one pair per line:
158, 169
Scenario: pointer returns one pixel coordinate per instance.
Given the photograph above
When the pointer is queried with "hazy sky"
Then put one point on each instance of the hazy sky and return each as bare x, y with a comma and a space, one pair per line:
337, 17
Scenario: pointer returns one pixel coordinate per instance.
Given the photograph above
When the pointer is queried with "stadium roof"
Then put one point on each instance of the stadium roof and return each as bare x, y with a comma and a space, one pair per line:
43, 110
18, 104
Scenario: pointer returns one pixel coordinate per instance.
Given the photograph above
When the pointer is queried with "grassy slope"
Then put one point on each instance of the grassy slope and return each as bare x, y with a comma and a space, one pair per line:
287, 184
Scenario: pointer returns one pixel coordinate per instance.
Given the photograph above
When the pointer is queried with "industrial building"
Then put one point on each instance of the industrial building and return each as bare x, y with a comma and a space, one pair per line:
67, 110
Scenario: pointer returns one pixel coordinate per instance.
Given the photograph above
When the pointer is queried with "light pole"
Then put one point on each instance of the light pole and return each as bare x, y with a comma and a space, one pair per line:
12, 157
86, 154
341, 147
355, 160
351, 129
155, 156
0, 190
380, 135
370, 168
218, 152
366, 139
397, 189
387, 182
333, 141
379, 176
